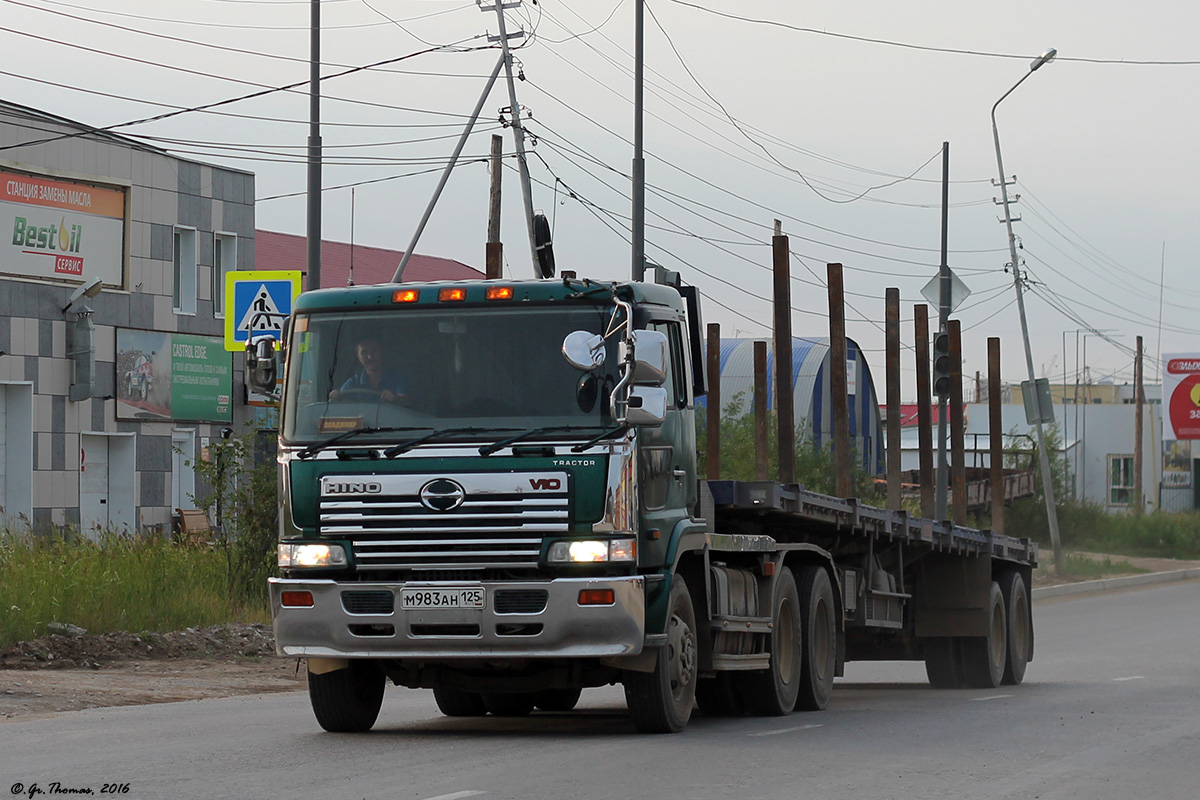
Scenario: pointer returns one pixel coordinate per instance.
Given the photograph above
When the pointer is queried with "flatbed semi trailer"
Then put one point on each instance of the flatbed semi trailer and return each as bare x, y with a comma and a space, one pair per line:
505, 507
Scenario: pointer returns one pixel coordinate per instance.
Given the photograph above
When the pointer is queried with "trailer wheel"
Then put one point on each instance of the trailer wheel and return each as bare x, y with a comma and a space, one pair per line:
458, 702
984, 657
661, 701
717, 696
1020, 627
772, 692
347, 700
556, 699
508, 705
943, 663
819, 614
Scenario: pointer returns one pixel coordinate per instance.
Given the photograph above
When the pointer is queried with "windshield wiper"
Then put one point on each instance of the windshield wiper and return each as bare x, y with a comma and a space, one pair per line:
313, 449
404, 447
488, 449
579, 448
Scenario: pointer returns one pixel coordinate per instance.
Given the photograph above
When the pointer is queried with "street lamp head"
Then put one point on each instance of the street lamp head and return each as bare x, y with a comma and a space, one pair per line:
1044, 58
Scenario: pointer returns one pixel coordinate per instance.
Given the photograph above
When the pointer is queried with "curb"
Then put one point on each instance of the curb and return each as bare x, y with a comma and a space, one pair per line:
1110, 584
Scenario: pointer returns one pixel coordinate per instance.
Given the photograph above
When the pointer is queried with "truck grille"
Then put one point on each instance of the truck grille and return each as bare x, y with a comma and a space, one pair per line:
402, 521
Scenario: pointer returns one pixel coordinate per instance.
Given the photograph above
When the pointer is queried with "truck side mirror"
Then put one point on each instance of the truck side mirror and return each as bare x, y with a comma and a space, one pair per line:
647, 406
584, 350
260, 364
650, 351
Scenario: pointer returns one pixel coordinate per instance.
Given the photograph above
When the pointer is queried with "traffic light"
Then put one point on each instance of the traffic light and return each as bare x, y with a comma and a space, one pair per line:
941, 364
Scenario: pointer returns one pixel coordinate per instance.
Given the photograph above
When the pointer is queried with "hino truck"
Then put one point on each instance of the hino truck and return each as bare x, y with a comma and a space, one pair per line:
502, 503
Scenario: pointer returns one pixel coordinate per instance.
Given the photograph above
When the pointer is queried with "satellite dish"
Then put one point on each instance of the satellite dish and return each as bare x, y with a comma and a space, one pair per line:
545, 248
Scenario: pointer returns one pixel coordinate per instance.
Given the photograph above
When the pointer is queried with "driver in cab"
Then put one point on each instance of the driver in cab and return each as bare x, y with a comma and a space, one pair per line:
374, 378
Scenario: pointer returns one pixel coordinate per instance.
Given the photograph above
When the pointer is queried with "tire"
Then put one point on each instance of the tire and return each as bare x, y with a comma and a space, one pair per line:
556, 699
717, 697
818, 611
772, 692
347, 700
458, 702
661, 701
984, 657
1020, 626
943, 663
509, 704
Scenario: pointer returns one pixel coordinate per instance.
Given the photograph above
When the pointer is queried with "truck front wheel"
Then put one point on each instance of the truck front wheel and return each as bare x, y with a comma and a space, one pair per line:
661, 701
347, 700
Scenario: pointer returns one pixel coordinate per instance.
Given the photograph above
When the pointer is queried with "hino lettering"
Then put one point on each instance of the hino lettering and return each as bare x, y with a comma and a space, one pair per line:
371, 487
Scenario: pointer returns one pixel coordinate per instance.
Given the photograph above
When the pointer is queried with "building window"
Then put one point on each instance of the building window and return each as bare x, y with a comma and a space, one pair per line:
224, 260
1120, 480
184, 265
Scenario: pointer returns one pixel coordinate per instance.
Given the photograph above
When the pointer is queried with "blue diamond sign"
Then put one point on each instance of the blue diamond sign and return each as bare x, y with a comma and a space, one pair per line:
257, 302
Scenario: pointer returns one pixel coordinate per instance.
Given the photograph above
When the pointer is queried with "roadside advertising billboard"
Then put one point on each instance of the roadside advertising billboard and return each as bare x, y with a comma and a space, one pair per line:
173, 376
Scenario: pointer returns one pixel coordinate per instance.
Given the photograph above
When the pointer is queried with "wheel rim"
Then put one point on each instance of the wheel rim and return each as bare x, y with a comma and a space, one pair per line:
1020, 627
681, 647
785, 642
996, 641
821, 639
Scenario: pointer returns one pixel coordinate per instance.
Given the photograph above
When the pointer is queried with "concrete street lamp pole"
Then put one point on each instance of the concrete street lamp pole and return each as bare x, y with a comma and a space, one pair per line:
1043, 455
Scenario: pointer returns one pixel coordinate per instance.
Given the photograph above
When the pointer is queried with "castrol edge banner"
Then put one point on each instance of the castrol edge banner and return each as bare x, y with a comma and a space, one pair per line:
1181, 390
61, 230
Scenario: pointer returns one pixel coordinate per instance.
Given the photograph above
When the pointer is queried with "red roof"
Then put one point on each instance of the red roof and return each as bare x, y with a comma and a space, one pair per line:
908, 413
287, 251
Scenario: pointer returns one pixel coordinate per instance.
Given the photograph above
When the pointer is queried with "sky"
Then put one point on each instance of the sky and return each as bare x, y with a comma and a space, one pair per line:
828, 117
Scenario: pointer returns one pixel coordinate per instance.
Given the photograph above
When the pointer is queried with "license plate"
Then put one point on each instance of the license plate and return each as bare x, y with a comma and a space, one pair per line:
442, 598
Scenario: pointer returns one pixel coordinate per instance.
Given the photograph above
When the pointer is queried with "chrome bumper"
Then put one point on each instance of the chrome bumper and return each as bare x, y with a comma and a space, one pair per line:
562, 629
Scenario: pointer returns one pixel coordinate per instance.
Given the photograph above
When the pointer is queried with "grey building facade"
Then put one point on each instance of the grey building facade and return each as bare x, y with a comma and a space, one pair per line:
107, 401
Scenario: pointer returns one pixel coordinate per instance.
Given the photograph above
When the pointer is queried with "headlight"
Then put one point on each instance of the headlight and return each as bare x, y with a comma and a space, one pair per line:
311, 555
590, 551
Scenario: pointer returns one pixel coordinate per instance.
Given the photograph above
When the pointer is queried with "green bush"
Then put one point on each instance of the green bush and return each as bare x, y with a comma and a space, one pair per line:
116, 583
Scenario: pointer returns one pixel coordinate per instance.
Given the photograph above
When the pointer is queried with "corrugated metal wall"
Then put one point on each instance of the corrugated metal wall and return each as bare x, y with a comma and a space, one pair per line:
811, 394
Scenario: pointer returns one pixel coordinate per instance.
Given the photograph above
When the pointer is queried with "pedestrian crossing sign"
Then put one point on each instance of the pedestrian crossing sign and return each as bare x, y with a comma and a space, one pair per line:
257, 302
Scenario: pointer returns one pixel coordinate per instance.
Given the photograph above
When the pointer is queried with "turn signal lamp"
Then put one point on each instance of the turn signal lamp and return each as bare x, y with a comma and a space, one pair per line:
406, 295
499, 293
296, 599
454, 295
596, 597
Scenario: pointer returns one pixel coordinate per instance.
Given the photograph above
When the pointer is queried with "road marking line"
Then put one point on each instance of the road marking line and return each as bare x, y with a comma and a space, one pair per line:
457, 795
990, 697
1130, 678
786, 730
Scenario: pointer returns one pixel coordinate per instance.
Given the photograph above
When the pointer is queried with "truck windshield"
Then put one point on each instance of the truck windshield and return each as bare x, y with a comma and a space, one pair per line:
434, 368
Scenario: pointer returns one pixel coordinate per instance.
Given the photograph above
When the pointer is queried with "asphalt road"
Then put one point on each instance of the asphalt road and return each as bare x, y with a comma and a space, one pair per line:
1110, 709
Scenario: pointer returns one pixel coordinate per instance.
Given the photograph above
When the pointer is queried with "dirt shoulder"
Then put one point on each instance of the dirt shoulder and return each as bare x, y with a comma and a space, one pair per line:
73, 671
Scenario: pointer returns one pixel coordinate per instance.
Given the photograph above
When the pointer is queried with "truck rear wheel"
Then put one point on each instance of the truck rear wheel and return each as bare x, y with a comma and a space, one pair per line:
556, 699
818, 613
1020, 627
347, 700
661, 701
772, 692
943, 662
717, 696
984, 657
458, 702
508, 705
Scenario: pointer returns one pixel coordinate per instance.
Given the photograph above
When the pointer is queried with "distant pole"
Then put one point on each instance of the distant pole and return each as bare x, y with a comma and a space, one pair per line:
518, 128
943, 472
785, 378
1139, 401
494, 257
995, 435
837, 380
892, 336
713, 401
924, 401
761, 456
313, 229
639, 164
350, 277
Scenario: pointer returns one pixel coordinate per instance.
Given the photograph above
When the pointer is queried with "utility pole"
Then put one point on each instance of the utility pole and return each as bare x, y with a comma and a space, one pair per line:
638, 233
494, 258
517, 126
313, 228
943, 472
1139, 403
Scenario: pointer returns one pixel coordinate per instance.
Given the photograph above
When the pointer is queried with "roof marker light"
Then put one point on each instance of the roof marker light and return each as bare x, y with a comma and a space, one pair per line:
499, 293
453, 295
406, 295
